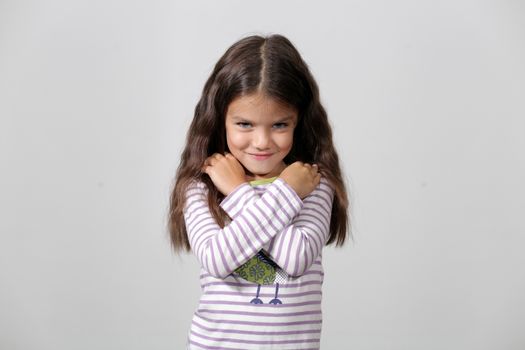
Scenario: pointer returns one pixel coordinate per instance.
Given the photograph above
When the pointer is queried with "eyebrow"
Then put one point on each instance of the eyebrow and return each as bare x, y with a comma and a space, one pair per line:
284, 119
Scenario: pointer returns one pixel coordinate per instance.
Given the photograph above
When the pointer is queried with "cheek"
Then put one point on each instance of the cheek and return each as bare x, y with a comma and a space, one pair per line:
285, 142
235, 140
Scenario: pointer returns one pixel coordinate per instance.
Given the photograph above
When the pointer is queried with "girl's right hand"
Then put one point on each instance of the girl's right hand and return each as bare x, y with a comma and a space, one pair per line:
225, 172
302, 177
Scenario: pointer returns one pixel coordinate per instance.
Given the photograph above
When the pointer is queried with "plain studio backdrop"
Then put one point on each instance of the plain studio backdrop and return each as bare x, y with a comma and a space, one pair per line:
427, 104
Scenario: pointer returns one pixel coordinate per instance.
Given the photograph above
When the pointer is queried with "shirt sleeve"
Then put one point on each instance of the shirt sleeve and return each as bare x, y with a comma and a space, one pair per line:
297, 246
221, 250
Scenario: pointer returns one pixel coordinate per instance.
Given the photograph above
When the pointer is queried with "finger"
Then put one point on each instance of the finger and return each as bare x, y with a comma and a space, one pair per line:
210, 161
317, 179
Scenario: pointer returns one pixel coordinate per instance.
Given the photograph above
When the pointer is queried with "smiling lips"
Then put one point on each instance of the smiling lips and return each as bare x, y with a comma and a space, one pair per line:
261, 156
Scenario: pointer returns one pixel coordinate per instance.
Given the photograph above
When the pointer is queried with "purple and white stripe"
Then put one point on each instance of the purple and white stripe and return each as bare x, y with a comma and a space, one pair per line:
293, 232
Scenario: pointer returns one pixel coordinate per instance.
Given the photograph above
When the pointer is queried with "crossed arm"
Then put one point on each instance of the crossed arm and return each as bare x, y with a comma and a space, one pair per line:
291, 230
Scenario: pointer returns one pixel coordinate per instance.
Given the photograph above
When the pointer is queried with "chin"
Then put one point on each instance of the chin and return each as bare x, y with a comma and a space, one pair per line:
257, 172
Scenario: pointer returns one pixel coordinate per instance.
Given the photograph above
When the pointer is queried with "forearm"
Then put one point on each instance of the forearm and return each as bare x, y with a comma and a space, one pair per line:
221, 251
297, 246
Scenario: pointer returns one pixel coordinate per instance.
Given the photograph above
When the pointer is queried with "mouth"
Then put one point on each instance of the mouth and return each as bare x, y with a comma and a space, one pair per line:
260, 156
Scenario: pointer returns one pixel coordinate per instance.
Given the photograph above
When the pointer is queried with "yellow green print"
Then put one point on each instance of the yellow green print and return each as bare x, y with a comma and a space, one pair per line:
257, 270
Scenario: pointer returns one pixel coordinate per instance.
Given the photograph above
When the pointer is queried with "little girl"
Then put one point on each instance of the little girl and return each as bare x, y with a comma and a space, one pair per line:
258, 194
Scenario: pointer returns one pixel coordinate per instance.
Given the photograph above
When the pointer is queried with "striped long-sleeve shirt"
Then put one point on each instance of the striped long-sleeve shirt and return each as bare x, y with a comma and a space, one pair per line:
267, 216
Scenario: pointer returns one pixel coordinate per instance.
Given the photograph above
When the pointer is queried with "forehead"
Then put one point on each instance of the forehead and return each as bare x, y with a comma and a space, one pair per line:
259, 106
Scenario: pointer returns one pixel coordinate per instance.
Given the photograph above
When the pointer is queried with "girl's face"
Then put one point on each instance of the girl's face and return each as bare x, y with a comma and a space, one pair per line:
259, 134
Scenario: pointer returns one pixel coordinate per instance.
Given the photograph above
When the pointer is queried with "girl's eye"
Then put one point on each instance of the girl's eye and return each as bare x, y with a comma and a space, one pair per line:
280, 125
244, 125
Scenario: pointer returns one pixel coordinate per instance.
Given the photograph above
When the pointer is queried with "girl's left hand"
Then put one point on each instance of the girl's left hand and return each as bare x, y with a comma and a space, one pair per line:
225, 172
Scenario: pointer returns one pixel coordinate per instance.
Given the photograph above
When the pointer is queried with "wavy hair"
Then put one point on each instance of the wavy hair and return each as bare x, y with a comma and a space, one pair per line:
256, 64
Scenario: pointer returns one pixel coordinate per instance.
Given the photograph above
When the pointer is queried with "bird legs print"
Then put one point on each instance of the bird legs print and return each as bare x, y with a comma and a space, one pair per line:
274, 301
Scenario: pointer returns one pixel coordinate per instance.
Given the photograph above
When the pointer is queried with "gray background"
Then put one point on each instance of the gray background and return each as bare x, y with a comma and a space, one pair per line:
427, 104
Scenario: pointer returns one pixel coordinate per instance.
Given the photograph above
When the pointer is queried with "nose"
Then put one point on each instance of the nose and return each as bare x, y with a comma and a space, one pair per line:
261, 139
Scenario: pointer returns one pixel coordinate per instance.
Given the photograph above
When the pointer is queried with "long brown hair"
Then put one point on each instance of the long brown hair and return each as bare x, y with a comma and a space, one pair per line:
273, 66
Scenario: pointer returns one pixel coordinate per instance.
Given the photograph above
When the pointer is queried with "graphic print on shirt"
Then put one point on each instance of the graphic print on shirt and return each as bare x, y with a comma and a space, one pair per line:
262, 270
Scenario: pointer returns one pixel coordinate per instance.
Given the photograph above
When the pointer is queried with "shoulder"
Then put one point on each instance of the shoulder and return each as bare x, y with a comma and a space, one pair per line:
325, 185
196, 188
325, 182
195, 196
196, 184
324, 191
